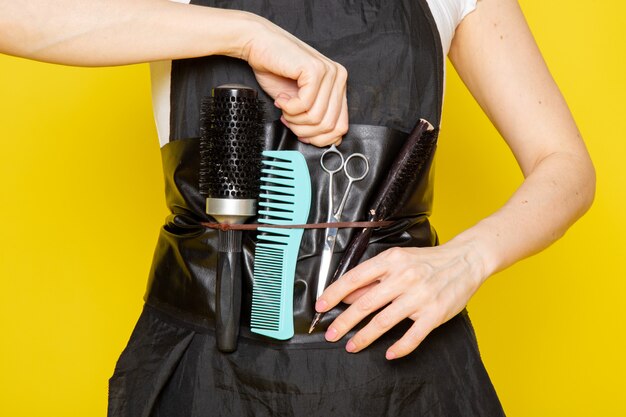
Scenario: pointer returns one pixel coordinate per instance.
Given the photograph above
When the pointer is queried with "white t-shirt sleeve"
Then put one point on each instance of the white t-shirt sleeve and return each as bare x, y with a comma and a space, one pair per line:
448, 14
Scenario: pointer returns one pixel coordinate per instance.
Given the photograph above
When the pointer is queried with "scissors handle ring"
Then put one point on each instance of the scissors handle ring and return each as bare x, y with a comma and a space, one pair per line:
331, 151
365, 171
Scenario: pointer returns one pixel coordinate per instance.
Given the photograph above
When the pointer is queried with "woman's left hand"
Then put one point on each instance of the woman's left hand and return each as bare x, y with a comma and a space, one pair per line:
428, 285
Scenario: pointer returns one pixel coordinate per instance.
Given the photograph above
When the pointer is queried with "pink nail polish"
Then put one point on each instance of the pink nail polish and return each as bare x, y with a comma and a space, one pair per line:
390, 355
350, 347
321, 305
331, 334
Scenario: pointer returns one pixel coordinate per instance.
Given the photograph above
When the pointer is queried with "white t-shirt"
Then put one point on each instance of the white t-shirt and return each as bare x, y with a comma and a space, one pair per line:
447, 14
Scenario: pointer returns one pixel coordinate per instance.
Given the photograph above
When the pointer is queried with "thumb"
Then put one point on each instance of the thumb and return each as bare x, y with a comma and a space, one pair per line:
281, 99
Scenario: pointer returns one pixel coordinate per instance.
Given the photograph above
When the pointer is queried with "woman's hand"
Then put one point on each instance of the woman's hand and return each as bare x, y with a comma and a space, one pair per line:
427, 285
309, 88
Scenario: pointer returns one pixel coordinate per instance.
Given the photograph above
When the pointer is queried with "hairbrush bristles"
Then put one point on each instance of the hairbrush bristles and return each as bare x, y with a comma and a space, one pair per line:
417, 150
231, 143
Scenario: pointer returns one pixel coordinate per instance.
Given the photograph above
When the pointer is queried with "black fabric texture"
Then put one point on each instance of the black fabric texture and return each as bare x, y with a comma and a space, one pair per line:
171, 369
171, 366
390, 48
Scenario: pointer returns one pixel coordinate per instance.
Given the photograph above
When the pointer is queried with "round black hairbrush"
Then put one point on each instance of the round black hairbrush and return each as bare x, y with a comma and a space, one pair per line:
231, 144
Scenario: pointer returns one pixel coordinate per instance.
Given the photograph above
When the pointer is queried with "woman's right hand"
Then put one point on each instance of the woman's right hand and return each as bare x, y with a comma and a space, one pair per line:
309, 88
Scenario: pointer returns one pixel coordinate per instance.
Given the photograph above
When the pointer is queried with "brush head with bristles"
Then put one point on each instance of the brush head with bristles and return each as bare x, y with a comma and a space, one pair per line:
231, 143
406, 169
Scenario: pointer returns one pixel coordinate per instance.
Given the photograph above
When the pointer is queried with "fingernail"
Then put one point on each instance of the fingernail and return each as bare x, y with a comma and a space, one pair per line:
281, 97
350, 347
390, 355
331, 334
321, 305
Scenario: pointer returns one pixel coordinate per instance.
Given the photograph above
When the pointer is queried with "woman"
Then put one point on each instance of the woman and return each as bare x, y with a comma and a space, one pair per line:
421, 288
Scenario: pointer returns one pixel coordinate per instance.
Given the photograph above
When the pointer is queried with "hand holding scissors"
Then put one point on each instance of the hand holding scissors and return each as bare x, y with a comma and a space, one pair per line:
355, 167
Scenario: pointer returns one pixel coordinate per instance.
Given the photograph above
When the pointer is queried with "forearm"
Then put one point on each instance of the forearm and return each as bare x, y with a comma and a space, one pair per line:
308, 87
117, 32
497, 58
557, 192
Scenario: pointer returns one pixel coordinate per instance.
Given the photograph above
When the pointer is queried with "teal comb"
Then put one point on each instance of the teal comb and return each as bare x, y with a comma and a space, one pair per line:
285, 199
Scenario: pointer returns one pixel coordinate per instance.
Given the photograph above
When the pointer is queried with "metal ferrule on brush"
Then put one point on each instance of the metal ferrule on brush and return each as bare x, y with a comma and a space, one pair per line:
230, 211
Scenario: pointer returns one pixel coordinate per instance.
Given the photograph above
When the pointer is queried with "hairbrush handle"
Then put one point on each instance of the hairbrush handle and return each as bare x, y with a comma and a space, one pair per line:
228, 290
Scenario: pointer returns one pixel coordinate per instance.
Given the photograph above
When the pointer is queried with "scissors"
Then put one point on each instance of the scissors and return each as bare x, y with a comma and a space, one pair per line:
332, 162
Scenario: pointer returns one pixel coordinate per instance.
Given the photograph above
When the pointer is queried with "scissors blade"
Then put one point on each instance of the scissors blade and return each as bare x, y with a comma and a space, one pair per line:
330, 237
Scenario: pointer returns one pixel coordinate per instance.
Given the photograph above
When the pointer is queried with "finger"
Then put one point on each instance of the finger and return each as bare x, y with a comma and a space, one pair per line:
283, 96
356, 294
364, 306
412, 338
342, 125
384, 320
357, 277
324, 142
309, 82
325, 139
323, 100
327, 106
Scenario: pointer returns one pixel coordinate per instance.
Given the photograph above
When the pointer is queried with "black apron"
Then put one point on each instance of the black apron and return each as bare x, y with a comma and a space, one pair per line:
171, 366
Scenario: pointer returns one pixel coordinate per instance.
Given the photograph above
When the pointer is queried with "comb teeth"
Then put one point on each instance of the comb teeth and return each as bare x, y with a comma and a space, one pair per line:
268, 292
285, 199
280, 199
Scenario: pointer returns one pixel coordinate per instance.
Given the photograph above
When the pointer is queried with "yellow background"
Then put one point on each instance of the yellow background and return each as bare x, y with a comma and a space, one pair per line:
81, 202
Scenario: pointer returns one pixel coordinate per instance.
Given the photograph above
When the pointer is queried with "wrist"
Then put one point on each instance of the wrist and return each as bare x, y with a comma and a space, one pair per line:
242, 28
213, 31
479, 253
